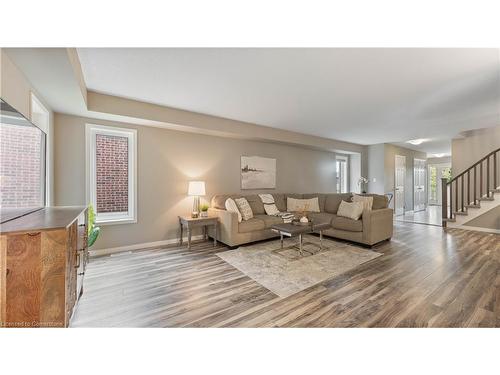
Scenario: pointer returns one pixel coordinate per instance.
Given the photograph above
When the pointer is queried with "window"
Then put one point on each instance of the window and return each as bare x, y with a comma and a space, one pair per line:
111, 173
341, 169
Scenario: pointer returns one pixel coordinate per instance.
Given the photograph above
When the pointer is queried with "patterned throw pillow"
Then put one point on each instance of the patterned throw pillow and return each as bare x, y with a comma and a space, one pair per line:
367, 201
352, 210
269, 205
231, 206
244, 207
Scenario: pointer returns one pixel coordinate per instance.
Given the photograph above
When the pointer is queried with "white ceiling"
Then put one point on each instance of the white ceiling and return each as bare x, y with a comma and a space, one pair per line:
365, 96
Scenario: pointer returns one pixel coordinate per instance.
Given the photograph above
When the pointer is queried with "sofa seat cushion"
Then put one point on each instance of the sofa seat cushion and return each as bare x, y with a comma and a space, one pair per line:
269, 221
251, 225
343, 223
320, 217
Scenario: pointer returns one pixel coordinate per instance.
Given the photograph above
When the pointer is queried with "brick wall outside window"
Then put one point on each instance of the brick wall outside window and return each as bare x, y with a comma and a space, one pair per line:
21, 169
111, 173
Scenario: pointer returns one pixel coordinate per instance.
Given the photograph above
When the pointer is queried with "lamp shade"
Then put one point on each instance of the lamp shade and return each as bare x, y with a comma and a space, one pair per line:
196, 188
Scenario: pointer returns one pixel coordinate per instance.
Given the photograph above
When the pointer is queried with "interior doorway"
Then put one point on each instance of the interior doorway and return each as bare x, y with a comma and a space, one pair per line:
435, 173
399, 185
419, 182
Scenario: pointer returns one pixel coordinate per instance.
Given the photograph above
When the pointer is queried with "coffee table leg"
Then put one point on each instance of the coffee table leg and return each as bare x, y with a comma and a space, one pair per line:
281, 239
300, 244
321, 240
215, 235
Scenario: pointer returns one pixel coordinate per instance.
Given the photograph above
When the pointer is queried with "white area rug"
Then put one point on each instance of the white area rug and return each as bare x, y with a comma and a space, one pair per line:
285, 272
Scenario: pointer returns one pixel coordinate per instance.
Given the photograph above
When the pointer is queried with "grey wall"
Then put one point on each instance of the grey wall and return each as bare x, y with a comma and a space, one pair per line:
376, 168
443, 160
474, 146
166, 161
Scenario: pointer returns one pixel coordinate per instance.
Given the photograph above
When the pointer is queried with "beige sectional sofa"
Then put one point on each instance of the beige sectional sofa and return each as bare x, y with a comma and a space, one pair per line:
374, 226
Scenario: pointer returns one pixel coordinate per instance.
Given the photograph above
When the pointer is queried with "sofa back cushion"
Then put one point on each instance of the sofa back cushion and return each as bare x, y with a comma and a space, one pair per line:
280, 201
379, 201
256, 204
332, 201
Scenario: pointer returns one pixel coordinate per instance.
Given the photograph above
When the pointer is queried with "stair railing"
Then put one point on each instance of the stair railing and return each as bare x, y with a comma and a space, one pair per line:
459, 194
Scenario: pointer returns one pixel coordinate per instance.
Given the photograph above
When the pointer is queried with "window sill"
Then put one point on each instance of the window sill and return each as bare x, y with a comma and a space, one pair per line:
115, 221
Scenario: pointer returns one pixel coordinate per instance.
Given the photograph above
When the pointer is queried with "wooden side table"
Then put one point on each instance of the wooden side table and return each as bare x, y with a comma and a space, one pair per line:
189, 223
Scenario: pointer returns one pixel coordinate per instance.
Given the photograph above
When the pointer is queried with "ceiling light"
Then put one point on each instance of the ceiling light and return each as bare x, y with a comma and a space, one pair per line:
438, 155
416, 141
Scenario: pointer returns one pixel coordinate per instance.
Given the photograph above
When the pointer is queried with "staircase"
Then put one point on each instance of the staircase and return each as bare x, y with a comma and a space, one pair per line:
472, 193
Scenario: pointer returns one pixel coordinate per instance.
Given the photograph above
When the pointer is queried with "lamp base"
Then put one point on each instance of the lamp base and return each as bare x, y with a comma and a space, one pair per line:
196, 208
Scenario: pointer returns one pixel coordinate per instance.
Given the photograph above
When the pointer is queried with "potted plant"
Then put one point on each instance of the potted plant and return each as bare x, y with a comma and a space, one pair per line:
93, 231
362, 181
204, 210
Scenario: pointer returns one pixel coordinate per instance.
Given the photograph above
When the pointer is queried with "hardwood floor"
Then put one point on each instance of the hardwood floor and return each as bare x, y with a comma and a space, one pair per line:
426, 278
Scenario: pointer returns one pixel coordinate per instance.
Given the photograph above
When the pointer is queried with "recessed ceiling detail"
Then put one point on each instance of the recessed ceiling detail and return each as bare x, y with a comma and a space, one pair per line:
364, 96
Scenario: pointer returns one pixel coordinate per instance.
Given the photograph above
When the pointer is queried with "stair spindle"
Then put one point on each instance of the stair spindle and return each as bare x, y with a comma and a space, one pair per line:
468, 187
475, 186
495, 181
488, 176
462, 193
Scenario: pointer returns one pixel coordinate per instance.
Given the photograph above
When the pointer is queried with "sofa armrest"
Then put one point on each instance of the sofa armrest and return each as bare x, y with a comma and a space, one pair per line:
228, 222
377, 225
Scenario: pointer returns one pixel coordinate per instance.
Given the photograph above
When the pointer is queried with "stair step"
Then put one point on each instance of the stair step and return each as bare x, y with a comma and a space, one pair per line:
494, 190
473, 206
486, 199
450, 220
460, 213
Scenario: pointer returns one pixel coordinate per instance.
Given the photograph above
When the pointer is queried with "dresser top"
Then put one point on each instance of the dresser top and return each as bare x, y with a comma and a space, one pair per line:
45, 219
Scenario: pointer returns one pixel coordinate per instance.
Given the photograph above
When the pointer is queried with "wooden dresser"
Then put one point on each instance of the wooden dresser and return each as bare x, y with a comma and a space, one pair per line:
43, 256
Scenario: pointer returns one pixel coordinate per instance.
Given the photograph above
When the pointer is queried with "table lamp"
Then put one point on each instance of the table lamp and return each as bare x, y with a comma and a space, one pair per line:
195, 189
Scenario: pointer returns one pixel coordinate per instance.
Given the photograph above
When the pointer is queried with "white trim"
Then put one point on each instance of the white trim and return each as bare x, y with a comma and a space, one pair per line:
45, 127
144, 245
478, 229
90, 156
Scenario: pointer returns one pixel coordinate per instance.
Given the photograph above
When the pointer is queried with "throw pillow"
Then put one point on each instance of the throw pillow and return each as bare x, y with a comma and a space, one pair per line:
244, 207
352, 210
367, 201
232, 207
299, 205
269, 205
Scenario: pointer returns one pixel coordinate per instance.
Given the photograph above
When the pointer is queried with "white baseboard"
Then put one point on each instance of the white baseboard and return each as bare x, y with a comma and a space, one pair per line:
144, 245
479, 229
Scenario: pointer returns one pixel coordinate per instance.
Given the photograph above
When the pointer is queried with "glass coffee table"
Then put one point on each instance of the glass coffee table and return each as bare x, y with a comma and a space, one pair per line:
298, 230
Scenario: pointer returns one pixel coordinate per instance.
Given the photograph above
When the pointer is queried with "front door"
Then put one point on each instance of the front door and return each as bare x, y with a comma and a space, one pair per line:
418, 184
399, 185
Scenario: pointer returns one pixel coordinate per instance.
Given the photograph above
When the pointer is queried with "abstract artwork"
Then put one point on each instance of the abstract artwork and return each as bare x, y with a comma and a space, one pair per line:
258, 172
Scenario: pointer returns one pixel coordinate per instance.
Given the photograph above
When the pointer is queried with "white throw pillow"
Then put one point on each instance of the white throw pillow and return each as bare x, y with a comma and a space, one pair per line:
299, 205
352, 210
244, 207
232, 207
367, 201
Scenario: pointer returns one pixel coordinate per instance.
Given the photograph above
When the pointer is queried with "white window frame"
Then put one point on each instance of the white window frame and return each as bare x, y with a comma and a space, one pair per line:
344, 185
91, 131
45, 127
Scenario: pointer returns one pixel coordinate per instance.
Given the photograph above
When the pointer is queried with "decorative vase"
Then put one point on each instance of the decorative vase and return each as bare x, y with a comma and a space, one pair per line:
204, 214
304, 219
